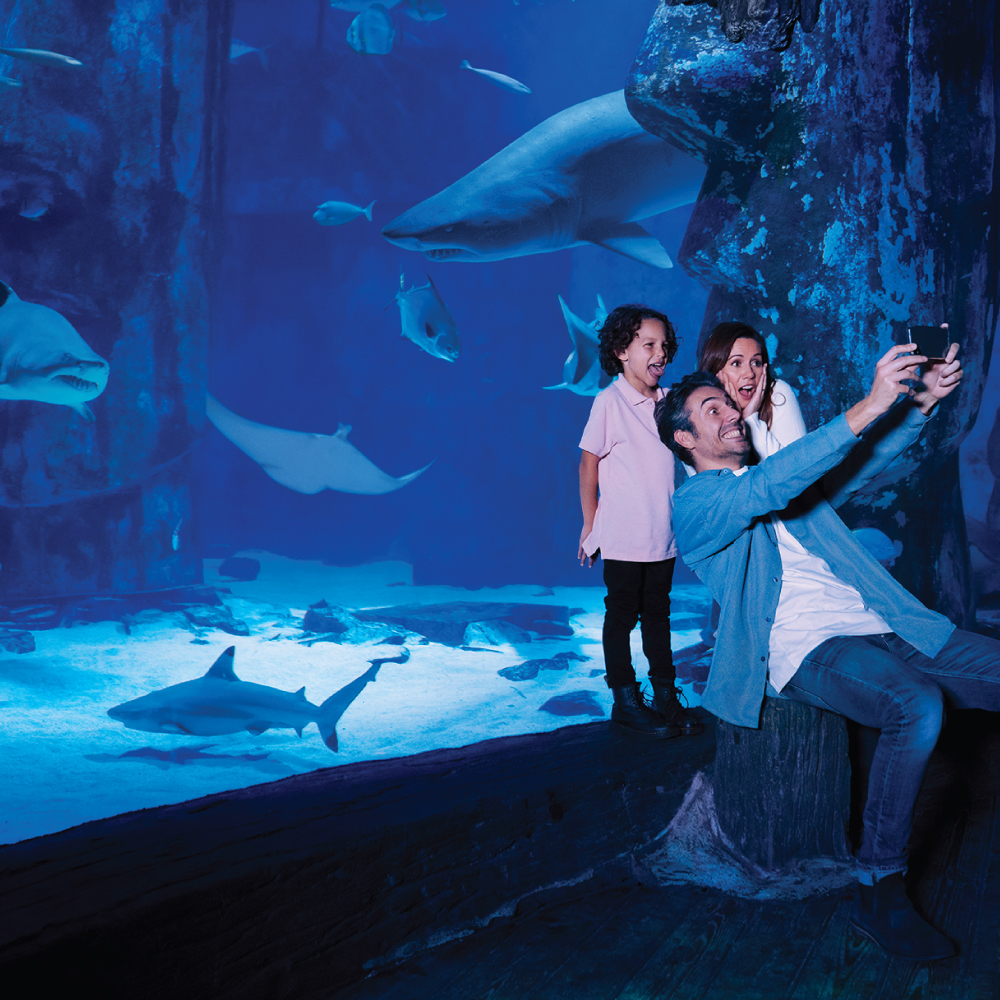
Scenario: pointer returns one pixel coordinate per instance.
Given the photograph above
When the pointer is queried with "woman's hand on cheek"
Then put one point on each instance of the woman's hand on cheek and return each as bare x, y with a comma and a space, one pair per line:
730, 387
758, 394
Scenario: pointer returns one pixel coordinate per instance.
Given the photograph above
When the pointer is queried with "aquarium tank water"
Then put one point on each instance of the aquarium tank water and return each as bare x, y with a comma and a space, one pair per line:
298, 321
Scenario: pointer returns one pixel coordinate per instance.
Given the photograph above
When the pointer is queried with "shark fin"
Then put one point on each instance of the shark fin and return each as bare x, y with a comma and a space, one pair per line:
85, 411
342, 431
256, 728
631, 240
298, 731
561, 385
222, 669
301, 693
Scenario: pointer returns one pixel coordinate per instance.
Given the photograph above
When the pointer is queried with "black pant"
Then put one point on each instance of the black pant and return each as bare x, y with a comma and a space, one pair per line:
637, 592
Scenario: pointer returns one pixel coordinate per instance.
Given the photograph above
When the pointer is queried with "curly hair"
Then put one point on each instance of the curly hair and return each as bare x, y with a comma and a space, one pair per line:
715, 353
671, 413
620, 329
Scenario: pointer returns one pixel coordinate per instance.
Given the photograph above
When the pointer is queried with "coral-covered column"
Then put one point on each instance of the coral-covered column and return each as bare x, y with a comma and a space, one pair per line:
110, 210
850, 192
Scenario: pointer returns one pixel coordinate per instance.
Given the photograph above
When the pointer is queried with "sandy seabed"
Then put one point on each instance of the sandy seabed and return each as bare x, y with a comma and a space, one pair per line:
67, 762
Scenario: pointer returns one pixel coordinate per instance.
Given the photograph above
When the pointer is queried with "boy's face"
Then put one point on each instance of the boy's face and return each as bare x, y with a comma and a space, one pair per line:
645, 358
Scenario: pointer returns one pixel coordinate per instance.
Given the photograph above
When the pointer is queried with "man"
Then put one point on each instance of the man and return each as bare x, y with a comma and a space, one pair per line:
808, 613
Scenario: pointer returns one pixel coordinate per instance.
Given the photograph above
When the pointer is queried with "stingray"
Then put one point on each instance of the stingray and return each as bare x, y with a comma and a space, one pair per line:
307, 463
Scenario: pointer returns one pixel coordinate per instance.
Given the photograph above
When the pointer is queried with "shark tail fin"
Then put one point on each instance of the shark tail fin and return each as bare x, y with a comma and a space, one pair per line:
334, 707
368, 211
464, 64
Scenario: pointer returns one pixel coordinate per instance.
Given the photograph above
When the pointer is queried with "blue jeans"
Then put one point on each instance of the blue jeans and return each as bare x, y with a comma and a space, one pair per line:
883, 682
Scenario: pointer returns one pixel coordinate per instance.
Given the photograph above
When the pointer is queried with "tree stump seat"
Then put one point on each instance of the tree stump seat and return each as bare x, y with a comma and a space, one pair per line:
783, 791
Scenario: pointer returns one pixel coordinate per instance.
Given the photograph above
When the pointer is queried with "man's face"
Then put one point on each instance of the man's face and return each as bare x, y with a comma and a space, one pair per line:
719, 440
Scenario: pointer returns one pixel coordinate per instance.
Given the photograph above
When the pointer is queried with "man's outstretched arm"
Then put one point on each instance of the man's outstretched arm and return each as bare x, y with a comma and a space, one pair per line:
706, 523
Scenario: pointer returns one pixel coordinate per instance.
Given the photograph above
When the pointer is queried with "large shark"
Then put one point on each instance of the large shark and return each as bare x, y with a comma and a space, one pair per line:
585, 175
221, 703
582, 372
306, 462
43, 358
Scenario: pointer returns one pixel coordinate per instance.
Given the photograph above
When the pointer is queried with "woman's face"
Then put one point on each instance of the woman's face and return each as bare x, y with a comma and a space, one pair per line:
744, 368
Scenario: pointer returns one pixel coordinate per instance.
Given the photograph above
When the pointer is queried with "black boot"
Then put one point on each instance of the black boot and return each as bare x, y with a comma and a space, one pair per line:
631, 712
666, 700
883, 913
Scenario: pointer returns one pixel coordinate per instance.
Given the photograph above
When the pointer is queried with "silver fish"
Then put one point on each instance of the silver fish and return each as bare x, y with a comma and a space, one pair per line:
42, 56
427, 321
336, 213
498, 79
372, 31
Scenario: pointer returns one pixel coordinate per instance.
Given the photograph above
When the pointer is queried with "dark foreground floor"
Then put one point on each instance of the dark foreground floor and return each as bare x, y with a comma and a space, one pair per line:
638, 942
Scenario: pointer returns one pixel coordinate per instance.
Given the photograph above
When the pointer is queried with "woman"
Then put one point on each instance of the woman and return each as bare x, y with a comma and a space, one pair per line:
737, 354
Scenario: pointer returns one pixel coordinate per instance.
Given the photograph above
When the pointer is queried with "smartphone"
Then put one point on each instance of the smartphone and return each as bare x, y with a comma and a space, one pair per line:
932, 341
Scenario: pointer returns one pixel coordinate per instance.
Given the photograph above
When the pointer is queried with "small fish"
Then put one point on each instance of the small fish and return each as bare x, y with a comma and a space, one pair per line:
427, 321
499, 79
175, 538
6, 81
372, 31
423, 10
238, 49
41, 56
336, 213
582, 372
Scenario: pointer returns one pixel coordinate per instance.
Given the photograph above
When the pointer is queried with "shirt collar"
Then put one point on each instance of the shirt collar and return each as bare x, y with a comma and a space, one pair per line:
632, 395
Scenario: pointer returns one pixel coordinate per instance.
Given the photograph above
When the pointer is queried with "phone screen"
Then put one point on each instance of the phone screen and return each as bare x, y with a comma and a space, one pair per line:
932, 341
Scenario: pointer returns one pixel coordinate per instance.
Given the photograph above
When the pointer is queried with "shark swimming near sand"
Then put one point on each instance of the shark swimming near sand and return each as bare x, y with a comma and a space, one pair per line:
220, 703
43, 358
585, 175
304, 462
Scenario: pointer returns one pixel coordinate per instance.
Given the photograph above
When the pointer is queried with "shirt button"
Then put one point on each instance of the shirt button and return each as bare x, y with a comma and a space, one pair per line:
762, 659
767, 619
775, 579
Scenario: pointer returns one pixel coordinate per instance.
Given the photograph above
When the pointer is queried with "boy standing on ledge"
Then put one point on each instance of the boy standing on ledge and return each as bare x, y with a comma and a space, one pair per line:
626, 491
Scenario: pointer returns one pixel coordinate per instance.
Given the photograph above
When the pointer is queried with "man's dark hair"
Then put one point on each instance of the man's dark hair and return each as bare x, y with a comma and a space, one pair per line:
671, 412
619, 331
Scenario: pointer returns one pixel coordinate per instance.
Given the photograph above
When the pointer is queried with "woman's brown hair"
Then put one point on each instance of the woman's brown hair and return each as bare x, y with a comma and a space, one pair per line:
719, 346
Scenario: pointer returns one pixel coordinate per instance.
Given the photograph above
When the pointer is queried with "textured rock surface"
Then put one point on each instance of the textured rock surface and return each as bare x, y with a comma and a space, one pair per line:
125, 156
849, 193
298, 887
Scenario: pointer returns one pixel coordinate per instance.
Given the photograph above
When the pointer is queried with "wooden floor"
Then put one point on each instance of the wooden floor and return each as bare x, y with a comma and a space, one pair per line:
639, 942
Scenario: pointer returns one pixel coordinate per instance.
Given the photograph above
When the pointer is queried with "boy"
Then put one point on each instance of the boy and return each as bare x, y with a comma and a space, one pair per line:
626, 491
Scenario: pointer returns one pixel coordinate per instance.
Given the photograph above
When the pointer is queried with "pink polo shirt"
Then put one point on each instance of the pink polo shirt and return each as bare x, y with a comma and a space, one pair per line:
635, 477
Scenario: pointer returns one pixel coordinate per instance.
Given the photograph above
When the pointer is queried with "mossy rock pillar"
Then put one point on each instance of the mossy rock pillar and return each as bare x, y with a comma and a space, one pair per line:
783, 791
111, 213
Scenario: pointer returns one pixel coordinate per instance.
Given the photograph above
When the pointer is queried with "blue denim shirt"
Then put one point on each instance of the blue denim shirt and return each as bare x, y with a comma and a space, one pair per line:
723, 528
